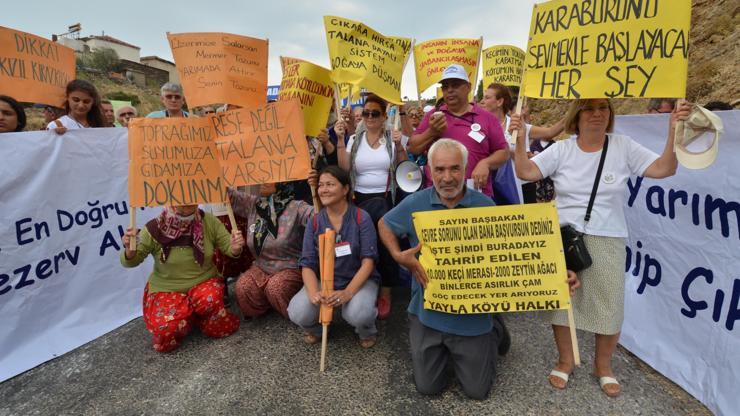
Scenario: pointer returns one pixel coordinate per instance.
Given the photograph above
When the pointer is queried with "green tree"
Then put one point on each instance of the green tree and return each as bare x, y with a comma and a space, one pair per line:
102, 59
479, 93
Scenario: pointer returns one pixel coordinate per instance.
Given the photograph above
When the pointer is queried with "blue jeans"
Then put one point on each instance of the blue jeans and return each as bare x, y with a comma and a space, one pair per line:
360, 311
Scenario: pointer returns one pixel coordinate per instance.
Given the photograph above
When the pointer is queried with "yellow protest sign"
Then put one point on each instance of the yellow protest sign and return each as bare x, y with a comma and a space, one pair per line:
172, 161
34, 69
221, 68
493, 259
600, 49
312, 86
262, 145
503, 64
433, 56
365, 58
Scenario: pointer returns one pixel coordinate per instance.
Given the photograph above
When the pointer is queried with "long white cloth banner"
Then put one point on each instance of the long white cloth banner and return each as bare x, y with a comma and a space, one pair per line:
682, 305
62, 213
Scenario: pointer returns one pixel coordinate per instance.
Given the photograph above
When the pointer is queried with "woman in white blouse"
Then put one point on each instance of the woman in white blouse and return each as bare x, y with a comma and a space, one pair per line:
371, 156
572, 164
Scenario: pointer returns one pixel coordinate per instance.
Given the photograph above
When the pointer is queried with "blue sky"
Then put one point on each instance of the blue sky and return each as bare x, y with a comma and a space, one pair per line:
295, 28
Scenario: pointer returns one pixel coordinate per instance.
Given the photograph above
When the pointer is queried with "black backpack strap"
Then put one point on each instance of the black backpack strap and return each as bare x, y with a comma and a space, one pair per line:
596, 181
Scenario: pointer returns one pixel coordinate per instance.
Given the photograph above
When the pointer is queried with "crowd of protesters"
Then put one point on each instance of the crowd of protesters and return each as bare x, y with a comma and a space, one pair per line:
461, 146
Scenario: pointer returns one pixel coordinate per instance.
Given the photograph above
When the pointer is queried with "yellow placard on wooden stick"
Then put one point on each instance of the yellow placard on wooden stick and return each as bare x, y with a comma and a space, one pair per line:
493, 259
34, 69
599, 49
221, 68
365, 58
433, 56
503, 64
172, 161
312, 86
265, 144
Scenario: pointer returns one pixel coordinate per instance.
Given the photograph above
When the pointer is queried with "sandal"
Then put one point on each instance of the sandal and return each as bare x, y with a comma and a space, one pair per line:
368, 342
311, 338
610, 386
558, 379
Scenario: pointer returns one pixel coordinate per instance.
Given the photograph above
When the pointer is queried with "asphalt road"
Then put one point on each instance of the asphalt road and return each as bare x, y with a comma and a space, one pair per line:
265, 368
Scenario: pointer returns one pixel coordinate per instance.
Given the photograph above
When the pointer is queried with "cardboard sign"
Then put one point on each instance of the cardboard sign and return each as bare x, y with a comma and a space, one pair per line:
493, 259
365, 58
34, 69
593, 49
503, 64
221, 68
312, 86
262, 145
172, 161
433, 56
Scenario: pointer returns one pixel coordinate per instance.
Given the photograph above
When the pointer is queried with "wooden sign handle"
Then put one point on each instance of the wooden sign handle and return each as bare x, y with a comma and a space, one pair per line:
519, 105
230, 211
573, 338
324, 336
132, 225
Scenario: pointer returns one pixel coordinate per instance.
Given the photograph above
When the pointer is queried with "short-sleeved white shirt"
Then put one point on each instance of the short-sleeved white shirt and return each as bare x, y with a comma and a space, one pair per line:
510, 138
573, 172
67, 122
371, 166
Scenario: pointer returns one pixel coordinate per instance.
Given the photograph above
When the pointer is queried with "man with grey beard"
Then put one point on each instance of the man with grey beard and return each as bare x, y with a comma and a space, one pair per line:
473, 342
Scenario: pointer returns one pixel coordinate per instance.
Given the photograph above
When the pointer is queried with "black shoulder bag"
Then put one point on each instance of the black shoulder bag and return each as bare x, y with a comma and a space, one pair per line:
574, 247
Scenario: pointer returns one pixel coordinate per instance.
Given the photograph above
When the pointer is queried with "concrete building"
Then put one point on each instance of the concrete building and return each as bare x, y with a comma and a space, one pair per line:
124, 50
157, 62
147, 71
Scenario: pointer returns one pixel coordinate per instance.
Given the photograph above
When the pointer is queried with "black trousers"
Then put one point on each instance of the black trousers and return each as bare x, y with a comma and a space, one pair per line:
377, 205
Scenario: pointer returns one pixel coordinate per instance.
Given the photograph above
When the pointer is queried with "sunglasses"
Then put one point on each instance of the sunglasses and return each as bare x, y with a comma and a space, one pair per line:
371, 114
209, 112
126, 114
414, 115
173, 96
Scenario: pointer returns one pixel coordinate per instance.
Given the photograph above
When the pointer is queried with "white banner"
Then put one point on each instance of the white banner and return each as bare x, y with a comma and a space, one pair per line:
63, 210
682, 305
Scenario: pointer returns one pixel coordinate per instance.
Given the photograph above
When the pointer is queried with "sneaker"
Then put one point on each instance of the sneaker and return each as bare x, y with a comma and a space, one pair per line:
384, 307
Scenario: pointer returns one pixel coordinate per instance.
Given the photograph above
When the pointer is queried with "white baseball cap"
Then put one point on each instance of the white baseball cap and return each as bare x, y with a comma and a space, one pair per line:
455, 71
700, 121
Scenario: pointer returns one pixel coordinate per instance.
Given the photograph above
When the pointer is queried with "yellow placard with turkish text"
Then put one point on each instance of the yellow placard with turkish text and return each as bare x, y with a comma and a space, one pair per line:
312, 86
221, 68
260, 145
34, 69
365, 58
503, 64
172, 161
597, 49
433, 56
493, 259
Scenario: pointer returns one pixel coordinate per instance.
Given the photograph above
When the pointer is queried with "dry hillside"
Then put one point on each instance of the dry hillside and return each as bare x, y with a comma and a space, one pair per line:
714, 57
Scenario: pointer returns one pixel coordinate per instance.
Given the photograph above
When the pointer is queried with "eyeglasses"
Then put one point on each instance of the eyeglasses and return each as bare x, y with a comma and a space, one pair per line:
414, 115
173, 96
371, 114
209, 112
